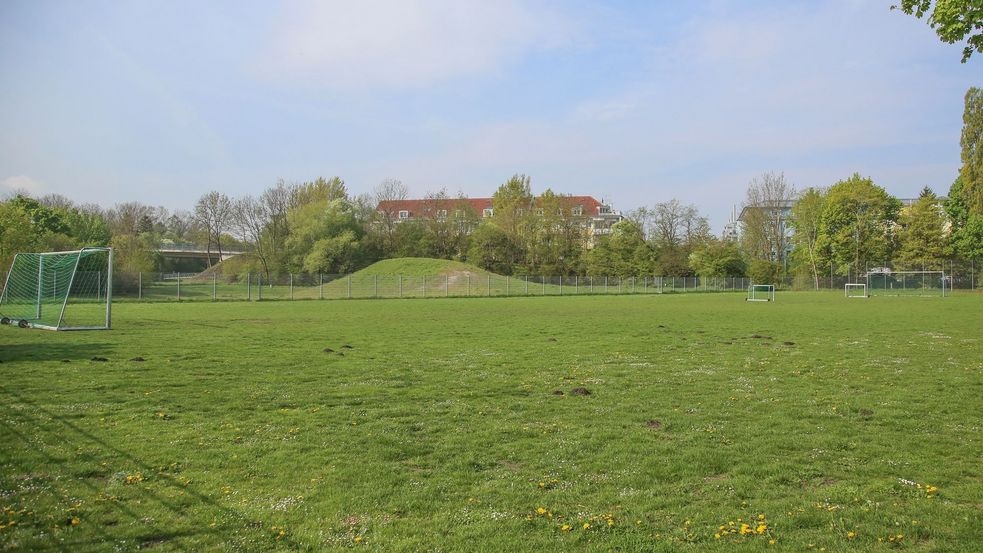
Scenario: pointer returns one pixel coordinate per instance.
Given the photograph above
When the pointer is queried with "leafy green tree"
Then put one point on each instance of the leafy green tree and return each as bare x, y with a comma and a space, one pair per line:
492, 249
763, 232
623, 253
856, 227
922, 236
718, 258
805, 220
16, 233
953, 21
763, 271
513, 213
323, 235
968, 240
971, 142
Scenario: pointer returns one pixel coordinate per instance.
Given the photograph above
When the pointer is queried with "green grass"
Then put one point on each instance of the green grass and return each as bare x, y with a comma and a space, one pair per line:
439, 429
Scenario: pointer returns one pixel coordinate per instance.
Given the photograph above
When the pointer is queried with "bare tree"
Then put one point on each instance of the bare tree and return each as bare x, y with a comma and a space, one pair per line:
213, 212
388, 190
674, 224
765, 215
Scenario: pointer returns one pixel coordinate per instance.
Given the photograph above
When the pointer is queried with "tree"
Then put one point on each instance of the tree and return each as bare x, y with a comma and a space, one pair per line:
718, 258
953, 21
856, 227
675, 231
805, 219
214, 213
389, 190
971, 142
492, 249
922, 236
623, 253
513, 213
16, 233
763, 232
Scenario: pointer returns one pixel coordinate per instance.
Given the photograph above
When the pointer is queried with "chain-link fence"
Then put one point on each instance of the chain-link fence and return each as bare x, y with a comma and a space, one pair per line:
254, 286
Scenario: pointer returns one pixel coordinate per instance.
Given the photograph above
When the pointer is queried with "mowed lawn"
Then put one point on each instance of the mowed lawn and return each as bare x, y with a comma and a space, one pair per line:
819, 422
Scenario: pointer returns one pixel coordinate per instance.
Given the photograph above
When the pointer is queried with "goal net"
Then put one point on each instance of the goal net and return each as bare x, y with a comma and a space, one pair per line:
761, 292
908, 283
855, 290
59, 290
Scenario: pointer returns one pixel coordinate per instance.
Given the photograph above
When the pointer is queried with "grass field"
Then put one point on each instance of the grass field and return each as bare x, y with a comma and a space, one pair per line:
820, 423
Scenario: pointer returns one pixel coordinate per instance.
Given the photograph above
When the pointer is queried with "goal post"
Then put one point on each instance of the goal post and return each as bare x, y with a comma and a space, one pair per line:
908, 283
761, 292
855, 290
69, 290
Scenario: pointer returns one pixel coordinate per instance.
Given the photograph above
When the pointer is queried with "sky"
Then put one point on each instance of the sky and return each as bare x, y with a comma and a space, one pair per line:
631, 102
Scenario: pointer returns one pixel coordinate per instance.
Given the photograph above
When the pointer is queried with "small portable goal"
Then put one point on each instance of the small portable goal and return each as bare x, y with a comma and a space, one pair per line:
760, 292
855, 290
70, 290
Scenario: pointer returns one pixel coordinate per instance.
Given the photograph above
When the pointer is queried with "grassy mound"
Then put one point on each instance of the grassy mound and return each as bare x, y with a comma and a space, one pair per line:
420, 266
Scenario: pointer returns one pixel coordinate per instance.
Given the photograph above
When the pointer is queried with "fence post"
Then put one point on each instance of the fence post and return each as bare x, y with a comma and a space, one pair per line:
424, 285
140, 285
447, 285
179, 287
214, 284
291, 286
605, 285
469, 285
592, 284
259, 287
508, 280
489, 285
349, 286
525, 281
376, 285
320, 286
249, 291
561, 285
544, 285
400, 278
576, 284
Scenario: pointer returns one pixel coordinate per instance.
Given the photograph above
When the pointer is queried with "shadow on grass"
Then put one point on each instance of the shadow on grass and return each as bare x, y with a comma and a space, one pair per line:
48, 351
234, 525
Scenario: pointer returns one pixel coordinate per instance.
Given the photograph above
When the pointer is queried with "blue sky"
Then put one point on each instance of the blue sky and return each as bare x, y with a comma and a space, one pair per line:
635, 102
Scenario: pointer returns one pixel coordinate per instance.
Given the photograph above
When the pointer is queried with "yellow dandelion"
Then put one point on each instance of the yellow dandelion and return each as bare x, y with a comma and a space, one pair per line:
716, 536
75, 521
771, 542
761, 517
586, 525
565, 528
761, 528
850, 535
540, 511
358, 539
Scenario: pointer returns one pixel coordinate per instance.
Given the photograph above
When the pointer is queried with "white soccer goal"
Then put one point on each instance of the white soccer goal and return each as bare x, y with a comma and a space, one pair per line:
59, 290
855, 290
760, 292
908, 283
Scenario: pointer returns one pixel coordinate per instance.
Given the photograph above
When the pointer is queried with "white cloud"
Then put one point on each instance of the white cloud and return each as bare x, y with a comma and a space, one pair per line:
20, 183
403, 43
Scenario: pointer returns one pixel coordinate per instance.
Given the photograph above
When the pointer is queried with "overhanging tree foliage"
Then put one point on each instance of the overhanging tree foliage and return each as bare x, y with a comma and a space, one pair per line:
953, 21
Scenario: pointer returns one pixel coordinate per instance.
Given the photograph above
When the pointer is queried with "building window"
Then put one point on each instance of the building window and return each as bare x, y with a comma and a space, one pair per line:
577, 211
539, 211
487, 212
604, 209
459, 213
403, 214
441, 213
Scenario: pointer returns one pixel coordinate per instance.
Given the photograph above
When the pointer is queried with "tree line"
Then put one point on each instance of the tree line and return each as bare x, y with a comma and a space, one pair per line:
317, 226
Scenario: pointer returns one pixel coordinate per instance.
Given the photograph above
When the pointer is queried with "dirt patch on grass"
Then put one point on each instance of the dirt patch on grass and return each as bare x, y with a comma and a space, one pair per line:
327, 350
551, 339
788, 343
100, 359
347, 346
580, 391
654, 424
153, 541
138, 359
557, 392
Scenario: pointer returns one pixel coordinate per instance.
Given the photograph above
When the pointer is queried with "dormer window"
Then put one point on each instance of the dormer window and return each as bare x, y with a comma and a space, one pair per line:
487, 212
577, 211
403, 214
